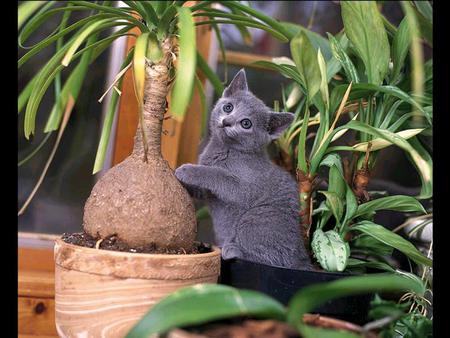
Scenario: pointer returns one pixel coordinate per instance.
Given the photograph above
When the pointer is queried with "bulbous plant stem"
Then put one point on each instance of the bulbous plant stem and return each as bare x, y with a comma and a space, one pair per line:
305, 188
140, 200
361, 179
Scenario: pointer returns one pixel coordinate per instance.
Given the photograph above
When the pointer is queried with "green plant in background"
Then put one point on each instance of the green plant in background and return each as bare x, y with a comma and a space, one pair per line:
362, 72
204, 303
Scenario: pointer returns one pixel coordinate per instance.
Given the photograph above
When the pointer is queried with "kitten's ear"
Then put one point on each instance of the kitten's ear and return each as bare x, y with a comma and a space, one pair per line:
239, 82
278, 122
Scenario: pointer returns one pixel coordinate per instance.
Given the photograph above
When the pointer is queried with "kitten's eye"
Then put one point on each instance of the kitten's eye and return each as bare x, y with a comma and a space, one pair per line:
246, 124
228, 108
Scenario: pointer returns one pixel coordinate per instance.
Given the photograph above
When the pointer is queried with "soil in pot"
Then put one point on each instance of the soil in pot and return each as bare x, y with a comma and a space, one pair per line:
251, 328
114, 243
282, 283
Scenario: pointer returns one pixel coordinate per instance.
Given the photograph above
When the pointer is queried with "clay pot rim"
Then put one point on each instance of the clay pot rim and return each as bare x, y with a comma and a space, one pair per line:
215, 251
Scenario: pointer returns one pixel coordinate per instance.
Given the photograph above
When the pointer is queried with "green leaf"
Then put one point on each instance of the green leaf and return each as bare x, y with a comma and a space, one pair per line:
400, 47
364, 28
334, 202
363, 90
336, 182
210, 74
202, 303
340, 55
427, 185
323, 83
305, 58
154, 52
424, 167
90, 28
371, 244
383, 308
270, 22
425, 9
202, 213
395, 203
330, 250
247, 23
357, 263
301, 161
286, 70
351, 205
390, 238
166, 19
109, 119
309, 298
26, 9
184, 81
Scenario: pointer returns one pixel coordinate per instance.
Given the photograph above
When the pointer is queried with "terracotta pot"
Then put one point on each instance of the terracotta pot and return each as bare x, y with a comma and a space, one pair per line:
101, 293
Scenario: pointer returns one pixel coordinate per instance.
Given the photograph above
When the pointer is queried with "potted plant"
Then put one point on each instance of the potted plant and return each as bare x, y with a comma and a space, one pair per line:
362, 72
137, 210
218, 311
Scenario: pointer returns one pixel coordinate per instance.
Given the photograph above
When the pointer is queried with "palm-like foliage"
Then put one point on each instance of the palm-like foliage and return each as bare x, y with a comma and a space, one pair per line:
81, 42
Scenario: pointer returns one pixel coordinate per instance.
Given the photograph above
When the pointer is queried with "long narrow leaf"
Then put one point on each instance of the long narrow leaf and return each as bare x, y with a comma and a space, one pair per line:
390, 238
184, 81
26, 9
109, 118
202, 303
67, 113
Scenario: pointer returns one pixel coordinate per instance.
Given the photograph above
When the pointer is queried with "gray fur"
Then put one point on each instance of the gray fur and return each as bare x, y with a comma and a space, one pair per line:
253, 202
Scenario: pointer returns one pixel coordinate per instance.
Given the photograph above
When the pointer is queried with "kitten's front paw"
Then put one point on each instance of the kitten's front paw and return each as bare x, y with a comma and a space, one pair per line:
230, 251
185, 173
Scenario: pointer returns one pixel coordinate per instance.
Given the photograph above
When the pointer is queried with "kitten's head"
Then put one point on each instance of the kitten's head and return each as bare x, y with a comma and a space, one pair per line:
244, 122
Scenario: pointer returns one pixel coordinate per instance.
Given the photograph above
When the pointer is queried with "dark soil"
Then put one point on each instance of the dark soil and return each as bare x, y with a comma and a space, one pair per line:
113, 243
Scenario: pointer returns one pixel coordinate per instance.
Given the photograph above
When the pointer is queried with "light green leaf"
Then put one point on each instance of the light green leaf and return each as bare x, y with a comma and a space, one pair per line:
400, 47
301, 161
365, 29
334, 202
305, 58
323, 83
381, 143
187, 60
80, 39
26, 9
390, 238
109, 118
340, 55
330, 250
202, 303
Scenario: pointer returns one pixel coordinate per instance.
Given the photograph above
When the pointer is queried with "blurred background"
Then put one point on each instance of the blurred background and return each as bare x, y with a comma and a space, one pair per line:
58, 204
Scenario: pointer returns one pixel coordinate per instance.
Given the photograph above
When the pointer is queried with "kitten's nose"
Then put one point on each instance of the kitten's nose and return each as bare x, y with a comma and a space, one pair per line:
226, 123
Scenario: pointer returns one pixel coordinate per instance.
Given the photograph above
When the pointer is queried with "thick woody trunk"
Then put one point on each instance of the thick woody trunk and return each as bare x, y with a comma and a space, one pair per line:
140, 200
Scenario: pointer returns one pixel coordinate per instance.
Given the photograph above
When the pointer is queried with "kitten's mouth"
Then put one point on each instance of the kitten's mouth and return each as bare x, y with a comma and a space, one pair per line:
230, 132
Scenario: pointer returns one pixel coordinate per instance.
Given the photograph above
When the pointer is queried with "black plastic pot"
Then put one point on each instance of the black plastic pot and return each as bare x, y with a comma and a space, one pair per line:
282, 284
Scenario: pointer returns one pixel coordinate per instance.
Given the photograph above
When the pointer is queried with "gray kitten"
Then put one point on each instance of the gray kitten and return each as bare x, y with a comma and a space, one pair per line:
253, 202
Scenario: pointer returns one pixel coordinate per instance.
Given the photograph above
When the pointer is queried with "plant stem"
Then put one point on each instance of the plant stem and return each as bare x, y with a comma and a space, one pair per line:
305, 187
155, 105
